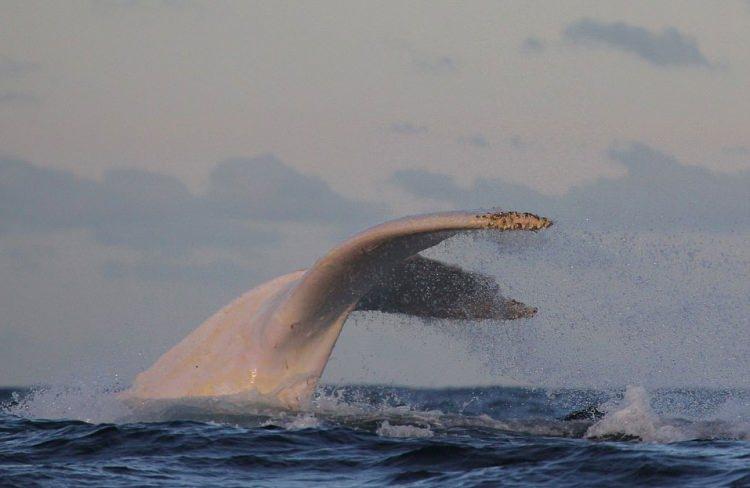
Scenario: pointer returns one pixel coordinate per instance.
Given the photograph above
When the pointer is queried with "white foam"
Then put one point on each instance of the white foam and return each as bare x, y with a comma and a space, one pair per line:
634, 417
296, 422
92, 402
388, 430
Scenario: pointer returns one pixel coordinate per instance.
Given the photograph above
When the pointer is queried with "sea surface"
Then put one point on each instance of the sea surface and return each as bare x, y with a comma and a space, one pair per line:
382, 436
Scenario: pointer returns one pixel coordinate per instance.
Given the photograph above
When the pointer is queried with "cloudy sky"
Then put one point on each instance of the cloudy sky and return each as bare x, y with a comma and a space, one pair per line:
157, 158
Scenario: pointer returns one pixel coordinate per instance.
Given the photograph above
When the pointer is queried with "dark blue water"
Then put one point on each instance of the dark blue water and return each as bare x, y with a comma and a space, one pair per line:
375, 436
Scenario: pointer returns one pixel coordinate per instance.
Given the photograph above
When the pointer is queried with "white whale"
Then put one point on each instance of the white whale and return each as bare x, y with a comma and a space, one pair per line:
272, 343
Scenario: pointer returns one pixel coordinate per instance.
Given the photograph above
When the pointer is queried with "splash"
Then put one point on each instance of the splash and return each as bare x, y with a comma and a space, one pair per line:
388, 430
295, 422
663, 416
89, 401
652, 308
634, 418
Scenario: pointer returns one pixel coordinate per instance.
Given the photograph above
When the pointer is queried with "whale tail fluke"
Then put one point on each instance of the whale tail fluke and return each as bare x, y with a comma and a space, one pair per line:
428, 288
274, 342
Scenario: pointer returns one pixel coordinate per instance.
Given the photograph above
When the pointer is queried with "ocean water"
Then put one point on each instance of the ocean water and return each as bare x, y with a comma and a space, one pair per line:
382, 436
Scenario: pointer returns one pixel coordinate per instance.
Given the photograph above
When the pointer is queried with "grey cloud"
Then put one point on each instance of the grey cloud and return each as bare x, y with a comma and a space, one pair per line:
151, 211
426, 184
659, 192
516, 142
408, 128
436, 65
667, 48
736, 150
481, 194
431, 63
131, 208
425, 61
656, 193
13, 68
28, 256
37, 198
477, 140
532, 45
11, 97
264, 188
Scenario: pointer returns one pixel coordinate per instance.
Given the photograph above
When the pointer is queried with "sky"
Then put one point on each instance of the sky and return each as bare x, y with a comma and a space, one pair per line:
158, 158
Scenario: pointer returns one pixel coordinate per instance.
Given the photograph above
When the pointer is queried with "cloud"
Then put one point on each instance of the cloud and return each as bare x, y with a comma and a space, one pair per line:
476, 140
666, 48
11, 97
151, 211
264, 188
736, 150
481, 194
532, 45
425, 184
131, 208
431, 63
407, 128
13, 68
517, 142
436, 65
39, 198
658, 192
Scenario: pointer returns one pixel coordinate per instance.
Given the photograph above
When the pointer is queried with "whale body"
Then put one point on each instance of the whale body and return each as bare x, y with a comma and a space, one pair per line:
272, 343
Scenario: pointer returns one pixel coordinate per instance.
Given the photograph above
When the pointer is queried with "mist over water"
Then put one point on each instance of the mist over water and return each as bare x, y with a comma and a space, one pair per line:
658, 309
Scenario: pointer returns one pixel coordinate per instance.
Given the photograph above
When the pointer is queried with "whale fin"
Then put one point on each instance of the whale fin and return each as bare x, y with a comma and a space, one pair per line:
304, 327
335, 283
428, 288
273, 343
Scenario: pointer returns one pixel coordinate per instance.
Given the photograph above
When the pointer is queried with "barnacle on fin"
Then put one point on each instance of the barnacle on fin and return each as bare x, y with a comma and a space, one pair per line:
514, 221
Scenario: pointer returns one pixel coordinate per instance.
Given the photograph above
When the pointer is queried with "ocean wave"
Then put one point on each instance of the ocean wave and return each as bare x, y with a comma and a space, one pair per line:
358, 435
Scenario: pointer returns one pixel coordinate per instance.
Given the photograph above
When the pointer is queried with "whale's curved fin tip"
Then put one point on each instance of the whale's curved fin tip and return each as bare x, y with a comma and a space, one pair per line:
500, 220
